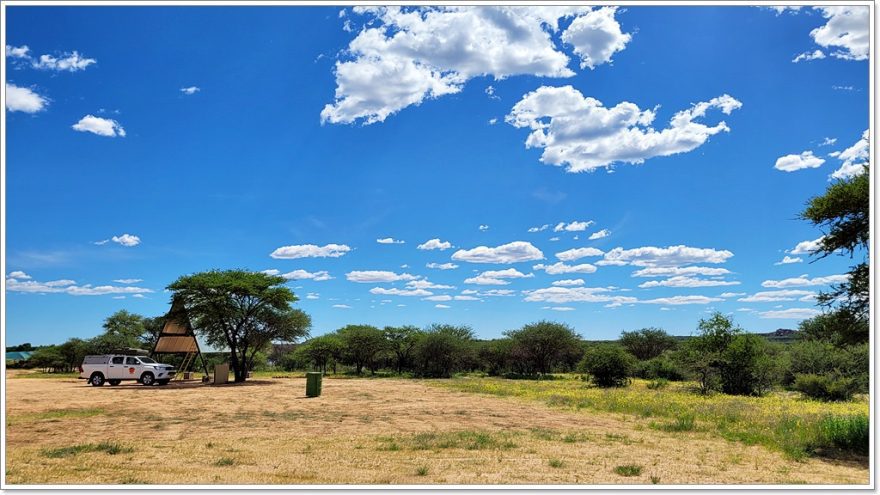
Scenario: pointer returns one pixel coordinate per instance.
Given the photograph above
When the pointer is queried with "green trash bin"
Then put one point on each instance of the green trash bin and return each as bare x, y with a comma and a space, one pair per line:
313, 384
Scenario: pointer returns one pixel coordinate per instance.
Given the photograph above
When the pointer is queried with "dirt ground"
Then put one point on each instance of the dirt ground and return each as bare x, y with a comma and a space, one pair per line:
360, 431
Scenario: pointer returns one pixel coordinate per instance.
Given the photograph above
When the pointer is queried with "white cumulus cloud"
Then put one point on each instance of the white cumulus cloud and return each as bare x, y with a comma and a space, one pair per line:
99, 126
578, 253
673, 271
513, 252
582, 134
25, 100
779, 295
854, 158
434, 244
807, 247
561, 268
191, 90
807, 56
847, 31
394, 291
804, 281
569, 282
600, 234
686, 281
790, 163
403, 56
390, 240
126, 240
442, 266
497, 277
671, 256
310, 251
787, 260
319, 276
377, 276
71, 62
573, 226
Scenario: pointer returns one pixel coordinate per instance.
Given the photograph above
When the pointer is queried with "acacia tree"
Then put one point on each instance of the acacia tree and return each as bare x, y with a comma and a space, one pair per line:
360, 345
647, 343
402, 341
845, 211
545, 344
239, 309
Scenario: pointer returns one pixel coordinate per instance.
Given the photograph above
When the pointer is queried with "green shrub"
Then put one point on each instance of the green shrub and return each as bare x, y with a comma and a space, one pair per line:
628, 470
846, 432
828, 387
609, 365
659, 367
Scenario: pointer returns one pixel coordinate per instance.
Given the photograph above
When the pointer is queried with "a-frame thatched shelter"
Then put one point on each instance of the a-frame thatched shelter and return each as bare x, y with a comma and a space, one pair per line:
177, 337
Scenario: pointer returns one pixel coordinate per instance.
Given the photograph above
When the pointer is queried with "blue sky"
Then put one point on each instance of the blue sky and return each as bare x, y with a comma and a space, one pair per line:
180, 139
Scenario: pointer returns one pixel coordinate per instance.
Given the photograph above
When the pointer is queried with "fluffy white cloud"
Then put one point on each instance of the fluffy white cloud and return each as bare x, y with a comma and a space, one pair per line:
732, 294
377, 276
442, 306
497, 277
807, 56
99, 126
787, 260
19, 275
562, 295
381, 291
854, 158
600, 234
434, 244
596, 36
305, 275
573, 226
828, 141
583, 135
424, 284
807, 247
17, 51
680, 300
390, 240
513, 252
70, 62
342, 306
674, 271
779, 295
490, 292
847, 30
539, 229
483, 228
126, 240
310, 251
685, 281
790, 163
560, 268
128, 280
671, 256
69, 287
792, 313
569, 282
271, 271
804, 281
313, 295
446, 297
25, 100
442, 266
403, 56
578, 253
190, 90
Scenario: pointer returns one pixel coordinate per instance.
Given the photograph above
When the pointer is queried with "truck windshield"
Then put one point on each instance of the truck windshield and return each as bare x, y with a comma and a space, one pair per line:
146, 360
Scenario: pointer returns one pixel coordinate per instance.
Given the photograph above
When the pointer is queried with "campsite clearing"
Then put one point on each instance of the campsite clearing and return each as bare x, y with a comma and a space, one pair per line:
371, 431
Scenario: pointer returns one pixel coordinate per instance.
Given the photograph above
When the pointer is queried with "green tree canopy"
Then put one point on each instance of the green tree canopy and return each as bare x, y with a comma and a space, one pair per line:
545, 344
647, 343
238, 309
360, 345
845, 212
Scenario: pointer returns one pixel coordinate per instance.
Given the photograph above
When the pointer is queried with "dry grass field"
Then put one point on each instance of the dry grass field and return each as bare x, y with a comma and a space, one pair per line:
381, 431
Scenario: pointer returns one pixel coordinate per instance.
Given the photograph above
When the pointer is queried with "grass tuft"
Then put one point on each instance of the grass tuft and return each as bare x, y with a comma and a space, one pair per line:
422, 471
628, 470
72, 450
225, 461
555, 463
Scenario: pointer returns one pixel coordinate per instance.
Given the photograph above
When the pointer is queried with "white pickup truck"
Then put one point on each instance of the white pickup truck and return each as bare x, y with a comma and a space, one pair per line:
113, 368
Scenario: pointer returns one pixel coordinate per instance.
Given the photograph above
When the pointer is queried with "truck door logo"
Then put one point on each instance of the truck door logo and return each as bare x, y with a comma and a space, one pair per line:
131, 370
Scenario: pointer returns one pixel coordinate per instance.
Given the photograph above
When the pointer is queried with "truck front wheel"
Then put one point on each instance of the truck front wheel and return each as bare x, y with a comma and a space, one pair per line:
147, 379
97, 379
